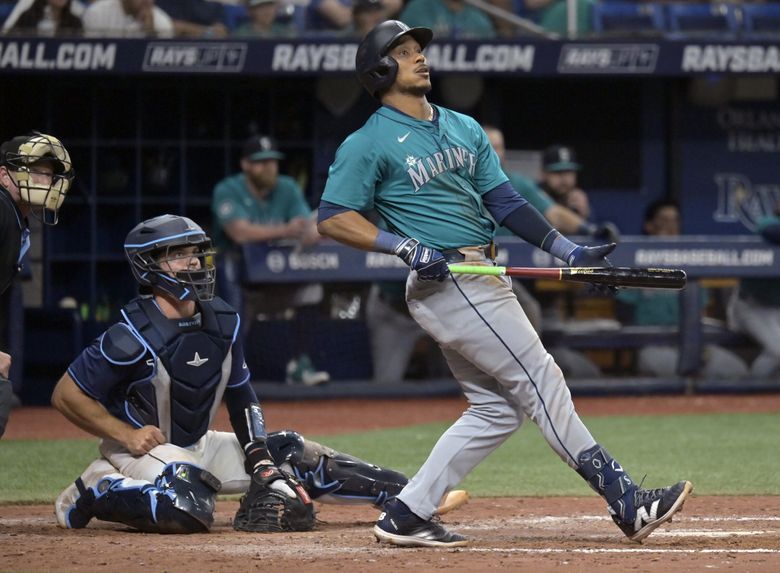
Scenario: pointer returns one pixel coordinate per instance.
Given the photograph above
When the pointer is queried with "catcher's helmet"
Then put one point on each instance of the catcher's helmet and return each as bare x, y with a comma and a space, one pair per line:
154, 242
376, 70
20, 156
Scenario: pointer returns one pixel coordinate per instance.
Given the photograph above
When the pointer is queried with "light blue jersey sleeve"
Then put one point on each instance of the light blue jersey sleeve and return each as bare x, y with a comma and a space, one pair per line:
353, 176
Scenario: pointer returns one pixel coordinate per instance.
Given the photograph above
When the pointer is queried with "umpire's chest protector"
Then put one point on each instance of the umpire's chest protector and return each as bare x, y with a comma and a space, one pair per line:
190, 373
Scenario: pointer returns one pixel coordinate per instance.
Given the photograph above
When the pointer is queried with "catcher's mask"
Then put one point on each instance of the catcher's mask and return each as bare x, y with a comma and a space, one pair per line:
156, 249
25, 158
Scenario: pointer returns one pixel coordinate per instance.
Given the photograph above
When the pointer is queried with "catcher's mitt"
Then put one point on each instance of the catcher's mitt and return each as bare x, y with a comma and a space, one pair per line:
274, 503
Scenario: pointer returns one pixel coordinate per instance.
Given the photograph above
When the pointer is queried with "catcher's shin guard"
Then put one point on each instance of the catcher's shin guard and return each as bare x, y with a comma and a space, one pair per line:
331, 476
181, 500
607, 477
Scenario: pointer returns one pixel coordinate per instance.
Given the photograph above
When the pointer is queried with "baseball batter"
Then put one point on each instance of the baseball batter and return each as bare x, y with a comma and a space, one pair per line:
434, 178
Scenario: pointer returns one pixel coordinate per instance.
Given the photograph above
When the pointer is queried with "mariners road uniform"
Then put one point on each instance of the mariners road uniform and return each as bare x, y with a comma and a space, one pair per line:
426, 179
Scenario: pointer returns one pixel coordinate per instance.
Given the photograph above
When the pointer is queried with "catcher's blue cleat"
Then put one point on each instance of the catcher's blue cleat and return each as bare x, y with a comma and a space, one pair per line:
399, 526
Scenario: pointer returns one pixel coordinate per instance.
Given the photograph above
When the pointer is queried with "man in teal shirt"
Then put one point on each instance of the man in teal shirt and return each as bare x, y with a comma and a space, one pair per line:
260, 205
449, 18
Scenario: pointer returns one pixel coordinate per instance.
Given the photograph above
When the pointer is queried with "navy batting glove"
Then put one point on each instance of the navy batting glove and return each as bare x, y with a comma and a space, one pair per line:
594, 257
591, 256
429, 263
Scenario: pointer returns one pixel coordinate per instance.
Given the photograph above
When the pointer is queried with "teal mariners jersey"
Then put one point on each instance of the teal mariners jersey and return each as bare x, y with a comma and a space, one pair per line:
232, 201
425, 178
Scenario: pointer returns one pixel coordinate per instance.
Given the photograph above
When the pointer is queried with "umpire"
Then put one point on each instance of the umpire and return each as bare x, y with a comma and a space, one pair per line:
35, 175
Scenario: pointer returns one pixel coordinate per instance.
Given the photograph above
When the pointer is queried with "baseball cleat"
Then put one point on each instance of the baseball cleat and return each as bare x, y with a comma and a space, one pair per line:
74, 506
654, 507
399, 526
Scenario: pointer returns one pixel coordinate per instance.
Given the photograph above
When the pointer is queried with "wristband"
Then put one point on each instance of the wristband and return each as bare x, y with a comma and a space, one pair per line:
387, 242
559, 246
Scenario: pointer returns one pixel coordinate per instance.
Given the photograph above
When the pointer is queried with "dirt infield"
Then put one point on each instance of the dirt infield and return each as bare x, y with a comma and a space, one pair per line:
531, 534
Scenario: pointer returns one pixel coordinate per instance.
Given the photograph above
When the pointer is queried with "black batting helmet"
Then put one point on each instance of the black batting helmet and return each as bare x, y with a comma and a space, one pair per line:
152, 245
376, 70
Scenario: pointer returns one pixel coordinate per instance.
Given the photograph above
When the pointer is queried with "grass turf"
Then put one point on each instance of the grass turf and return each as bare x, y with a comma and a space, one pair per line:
720, 453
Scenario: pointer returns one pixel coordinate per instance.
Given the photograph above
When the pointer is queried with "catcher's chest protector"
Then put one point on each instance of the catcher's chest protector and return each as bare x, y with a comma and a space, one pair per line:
191, 369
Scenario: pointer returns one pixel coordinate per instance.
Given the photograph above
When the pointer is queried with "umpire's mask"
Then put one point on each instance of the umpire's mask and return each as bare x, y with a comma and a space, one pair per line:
42, 170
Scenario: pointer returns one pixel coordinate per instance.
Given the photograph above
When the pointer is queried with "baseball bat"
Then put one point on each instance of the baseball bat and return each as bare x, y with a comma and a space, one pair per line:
612, 276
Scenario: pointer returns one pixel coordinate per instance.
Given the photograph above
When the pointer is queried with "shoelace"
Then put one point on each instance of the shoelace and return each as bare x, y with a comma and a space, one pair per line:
644, 496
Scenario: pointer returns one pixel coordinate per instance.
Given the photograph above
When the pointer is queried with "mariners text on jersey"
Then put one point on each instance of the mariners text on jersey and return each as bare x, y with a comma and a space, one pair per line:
439, 162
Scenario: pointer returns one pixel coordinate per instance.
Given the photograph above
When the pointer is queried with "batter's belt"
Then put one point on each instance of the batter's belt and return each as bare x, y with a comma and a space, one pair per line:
469, 254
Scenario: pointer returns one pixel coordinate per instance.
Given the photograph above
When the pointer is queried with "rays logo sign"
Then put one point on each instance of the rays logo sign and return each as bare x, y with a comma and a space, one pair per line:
742, 201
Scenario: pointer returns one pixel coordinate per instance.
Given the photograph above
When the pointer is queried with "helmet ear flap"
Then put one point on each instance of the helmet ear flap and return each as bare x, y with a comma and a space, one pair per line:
385, 71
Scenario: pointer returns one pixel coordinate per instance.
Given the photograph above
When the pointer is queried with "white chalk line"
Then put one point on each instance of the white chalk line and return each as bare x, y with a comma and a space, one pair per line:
556, 520
548, 550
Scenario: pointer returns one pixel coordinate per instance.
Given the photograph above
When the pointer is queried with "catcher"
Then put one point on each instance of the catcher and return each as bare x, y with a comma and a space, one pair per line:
150, 385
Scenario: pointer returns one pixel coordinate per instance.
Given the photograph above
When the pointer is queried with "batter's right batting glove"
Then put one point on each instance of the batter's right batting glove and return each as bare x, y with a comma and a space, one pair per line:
593, 257
429, 263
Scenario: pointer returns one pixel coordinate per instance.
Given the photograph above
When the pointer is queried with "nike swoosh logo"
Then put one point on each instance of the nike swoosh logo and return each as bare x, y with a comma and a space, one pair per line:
403, 137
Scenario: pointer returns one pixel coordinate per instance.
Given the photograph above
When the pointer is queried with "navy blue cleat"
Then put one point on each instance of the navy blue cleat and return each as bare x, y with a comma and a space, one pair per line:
654, 507
80, 513
399, 526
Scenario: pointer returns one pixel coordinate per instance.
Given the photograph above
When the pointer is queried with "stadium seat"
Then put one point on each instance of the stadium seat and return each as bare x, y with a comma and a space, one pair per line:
702, 19
761, 20
628, 17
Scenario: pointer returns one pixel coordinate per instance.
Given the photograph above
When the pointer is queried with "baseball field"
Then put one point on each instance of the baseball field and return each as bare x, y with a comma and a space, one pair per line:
528, 510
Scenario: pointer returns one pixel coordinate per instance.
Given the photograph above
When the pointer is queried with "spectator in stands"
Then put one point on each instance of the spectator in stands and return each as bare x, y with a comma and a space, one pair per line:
661, 308
195, 18
263, 21
754, 307
449, 18
335, 16
552, 15
260, 205
559, 179
126, 18
573, 363
45, 18
366, 14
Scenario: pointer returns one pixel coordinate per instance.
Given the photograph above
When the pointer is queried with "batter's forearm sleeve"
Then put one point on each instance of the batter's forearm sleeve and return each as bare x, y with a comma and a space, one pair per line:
529, 224
502, 201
